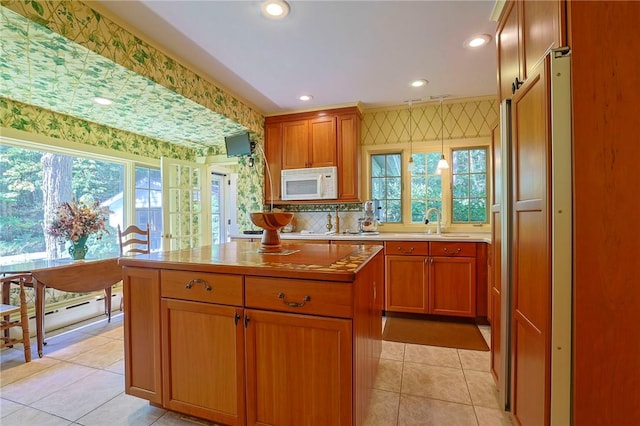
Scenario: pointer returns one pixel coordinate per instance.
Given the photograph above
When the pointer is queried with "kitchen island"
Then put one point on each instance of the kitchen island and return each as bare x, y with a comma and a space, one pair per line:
238, 337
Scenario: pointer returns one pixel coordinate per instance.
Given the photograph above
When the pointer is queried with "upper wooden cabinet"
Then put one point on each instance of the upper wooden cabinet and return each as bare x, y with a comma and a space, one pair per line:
314, 139
526, 32
309, 143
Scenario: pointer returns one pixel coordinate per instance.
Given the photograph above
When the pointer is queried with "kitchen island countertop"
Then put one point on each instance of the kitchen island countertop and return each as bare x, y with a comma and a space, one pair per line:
309, 261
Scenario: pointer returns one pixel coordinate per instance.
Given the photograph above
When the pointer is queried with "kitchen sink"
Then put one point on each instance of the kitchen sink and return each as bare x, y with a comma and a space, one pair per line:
455, 235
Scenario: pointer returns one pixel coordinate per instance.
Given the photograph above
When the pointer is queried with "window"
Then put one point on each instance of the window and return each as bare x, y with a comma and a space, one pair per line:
386, 185
30, 177
148, 207
469, 185
426, 186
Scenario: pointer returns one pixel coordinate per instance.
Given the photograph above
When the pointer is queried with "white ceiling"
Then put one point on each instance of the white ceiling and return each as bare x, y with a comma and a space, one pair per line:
341, 52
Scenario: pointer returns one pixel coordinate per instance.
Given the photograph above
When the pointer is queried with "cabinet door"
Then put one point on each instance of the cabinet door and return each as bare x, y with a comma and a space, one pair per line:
299, 369
295, 144
531, 297
507, 38
406, 289
203, 347
322, 142
349, 157
452, 286
142, 354
273, 152
541, 30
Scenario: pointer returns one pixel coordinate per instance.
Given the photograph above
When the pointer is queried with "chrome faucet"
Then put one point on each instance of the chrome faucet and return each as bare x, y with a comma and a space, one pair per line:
438, 216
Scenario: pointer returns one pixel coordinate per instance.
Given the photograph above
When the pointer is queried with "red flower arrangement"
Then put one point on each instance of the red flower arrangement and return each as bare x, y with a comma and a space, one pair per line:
75, 220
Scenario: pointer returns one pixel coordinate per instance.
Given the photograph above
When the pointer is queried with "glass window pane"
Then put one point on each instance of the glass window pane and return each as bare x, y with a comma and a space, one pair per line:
142, 177
418, 187
378, 190
377, 166
478, 185
460, 161
394, 187
418, 210
478, 210
469, 188
478, 160
386, 185
460, 186
460, 210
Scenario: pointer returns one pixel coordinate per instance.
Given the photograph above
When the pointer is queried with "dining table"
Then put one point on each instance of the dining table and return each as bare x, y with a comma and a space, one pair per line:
69, 275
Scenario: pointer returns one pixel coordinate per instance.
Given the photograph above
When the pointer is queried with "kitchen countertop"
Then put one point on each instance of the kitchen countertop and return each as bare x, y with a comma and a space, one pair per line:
481, 237
334, 262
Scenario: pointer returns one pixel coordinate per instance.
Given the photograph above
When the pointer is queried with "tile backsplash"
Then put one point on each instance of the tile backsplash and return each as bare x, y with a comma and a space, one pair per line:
317, 221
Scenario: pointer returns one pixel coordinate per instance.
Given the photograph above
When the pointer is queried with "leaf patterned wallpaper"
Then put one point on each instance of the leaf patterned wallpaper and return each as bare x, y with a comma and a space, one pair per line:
64, 77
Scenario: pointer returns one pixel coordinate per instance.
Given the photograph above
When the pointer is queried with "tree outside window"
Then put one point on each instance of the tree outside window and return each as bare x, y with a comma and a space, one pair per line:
426, 186
469, 186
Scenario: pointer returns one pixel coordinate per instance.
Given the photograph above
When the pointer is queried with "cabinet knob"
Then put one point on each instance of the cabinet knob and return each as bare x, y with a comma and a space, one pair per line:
516, 85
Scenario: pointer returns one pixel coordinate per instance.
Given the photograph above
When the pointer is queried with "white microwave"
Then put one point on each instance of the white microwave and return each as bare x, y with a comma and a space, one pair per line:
314, 183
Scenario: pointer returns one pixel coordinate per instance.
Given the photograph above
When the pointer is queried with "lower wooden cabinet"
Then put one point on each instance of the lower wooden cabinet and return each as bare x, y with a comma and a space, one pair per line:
254, 350
452, 286
299, 369
202, 351
142, 349
431, 278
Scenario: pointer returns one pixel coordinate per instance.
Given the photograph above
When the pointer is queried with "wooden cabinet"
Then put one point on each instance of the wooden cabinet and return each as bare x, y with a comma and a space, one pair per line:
142, 351
431, 278
203, 345
236, 348
315, 139
299, 369
527, 31
531, 293
349, 157
309, 143
273, 154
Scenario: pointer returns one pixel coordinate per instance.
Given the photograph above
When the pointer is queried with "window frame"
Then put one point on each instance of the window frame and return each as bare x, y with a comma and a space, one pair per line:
129, 161
447, 202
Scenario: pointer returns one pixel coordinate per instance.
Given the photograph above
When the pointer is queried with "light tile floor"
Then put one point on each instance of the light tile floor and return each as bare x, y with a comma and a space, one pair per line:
80, 381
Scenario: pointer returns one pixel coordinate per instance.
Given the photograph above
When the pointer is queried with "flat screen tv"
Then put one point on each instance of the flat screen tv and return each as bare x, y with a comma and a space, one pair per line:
238, 145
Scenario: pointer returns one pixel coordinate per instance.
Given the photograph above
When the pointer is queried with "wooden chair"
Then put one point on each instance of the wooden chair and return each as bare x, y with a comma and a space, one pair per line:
23, 322
133, 240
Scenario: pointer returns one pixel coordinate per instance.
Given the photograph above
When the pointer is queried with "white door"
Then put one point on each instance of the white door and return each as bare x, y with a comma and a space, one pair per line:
186, 198
218, 216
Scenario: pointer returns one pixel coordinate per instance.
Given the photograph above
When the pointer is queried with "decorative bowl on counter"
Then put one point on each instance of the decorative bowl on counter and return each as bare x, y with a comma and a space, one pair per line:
271, 222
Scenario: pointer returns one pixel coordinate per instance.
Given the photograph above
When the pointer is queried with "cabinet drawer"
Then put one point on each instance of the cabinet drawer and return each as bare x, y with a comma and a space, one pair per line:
205, 287
453, 248
299, 296
410, 248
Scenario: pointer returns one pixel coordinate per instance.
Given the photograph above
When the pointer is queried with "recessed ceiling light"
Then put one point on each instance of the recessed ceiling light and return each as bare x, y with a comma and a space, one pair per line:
275, 9
419, 83
477, 41
102, 101
305, 97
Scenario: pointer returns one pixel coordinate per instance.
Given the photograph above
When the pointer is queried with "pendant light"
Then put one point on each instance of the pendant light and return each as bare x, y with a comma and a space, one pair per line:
442, 163
411, 162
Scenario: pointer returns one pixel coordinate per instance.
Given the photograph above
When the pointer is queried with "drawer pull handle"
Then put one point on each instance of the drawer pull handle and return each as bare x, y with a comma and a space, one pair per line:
198, 281
294, 304
405, 251
458, 250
